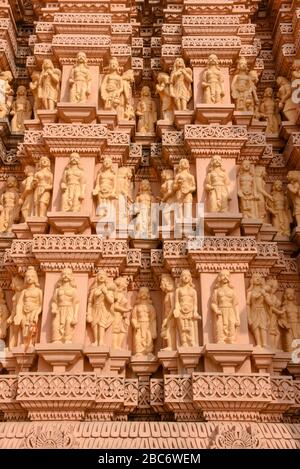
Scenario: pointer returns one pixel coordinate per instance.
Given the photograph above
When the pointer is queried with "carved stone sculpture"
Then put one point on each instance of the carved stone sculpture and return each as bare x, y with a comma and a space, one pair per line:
6, 93
142, 204
225, 307
288, 108
43, 185
34, 88
169, 325
181, 84
275, 313
64, 308
186, 310
216, 185
112, 86
124, 193
105, 187
49, 85
126, 110
293, 188
184, 187
80, 80
144, 324
27, 190
21, 110
4, 315
247, 190
243, 89
29, 307
262, 194
146, 112
269, 111
167, 195
166, 100
212, 81
17, 286
100, 307
73, 185
292, 317
121, 311
9, 205
257, 310
279, 208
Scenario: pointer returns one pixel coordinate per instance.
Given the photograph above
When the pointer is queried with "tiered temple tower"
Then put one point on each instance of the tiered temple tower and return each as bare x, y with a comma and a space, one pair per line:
149, 223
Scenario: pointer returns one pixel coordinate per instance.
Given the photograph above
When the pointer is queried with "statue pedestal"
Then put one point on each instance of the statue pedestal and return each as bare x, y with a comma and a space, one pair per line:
47, 117
228, 356
242, 117
190, 356
262, 359
24, 357
169, 360
9, 362
6, 240
73, 113
251, 226
37, 225
294, 369
266, 233
182, 118
98, 357
144, 366
221, 224
69, 222
287, 128
59, 356
214, 113
144, 243
162, 125
145, 139
280, 361
108, 118
127, 127
21, 231
118, 360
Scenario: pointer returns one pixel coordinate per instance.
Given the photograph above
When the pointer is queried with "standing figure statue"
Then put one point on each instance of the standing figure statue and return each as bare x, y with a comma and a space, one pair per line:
166, 100
167, 195
287, 106
49, 85
121, 311
29, 307
100, 312
142, 209
269, 111
292, 317
43, 185
4, 315
124, 193
186, 310
275, 312
112, 86
293, 188
216, 185
146, 112
184, 187
144, 324
6, 93
27, 189
247, 190
21, 110
17, 285
126, 110
64, 308
34, 88
279, 208
169, 325
262, 194
243, 89
225, 306
73, 185
257, 310
80, 80
212, 81
105, 187
9, 205
181, 84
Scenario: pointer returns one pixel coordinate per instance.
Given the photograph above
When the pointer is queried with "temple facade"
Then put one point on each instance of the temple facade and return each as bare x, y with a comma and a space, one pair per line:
149, 224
